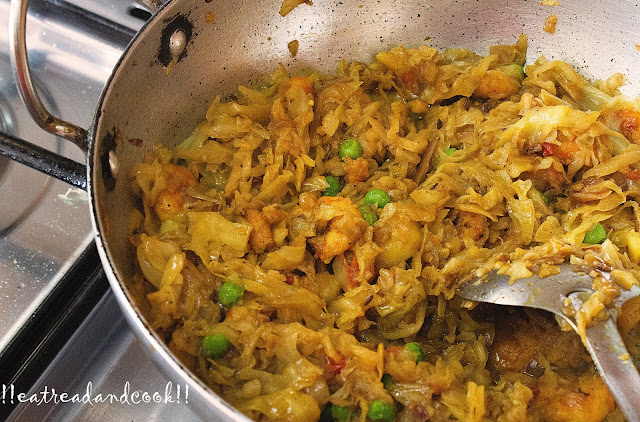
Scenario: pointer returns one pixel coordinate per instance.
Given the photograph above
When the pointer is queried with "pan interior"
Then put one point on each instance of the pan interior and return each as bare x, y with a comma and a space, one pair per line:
148, 103
232, 43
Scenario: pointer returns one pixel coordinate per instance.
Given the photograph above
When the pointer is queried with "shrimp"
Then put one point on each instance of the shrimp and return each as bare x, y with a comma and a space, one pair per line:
357, 170
630, 124
473, 226
346, 226
171, 199
261, 237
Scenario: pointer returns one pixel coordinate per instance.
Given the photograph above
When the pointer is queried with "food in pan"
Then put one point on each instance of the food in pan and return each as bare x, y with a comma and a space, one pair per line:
301, 250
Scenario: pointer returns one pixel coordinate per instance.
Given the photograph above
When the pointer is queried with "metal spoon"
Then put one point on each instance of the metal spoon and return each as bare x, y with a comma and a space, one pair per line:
602, 340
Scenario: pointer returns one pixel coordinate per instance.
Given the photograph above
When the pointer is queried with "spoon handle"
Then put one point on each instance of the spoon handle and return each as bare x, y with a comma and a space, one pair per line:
614, 363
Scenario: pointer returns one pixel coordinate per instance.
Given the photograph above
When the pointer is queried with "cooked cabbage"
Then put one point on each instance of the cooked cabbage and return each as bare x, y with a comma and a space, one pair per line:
347, 303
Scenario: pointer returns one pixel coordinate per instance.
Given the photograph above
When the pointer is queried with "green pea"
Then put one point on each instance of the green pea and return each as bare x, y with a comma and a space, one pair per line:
377, 197
334, 186
596, 235
545, 198
340, 413
450, 150
215, 345
368, 214
387, 380
350, 148
416, 350
230, 293
380, 410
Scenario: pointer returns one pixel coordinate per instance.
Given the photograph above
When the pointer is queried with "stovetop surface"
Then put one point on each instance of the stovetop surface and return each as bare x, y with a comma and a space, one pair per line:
45, 225
104, 358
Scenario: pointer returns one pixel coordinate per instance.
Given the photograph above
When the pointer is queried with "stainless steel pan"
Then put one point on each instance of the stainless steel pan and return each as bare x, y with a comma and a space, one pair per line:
194, 49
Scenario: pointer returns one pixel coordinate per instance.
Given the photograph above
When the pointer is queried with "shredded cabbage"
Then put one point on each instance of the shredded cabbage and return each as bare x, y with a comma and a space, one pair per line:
486, 168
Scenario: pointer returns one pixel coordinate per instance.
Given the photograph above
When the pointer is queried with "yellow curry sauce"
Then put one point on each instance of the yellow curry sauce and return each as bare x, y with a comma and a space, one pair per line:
301, 250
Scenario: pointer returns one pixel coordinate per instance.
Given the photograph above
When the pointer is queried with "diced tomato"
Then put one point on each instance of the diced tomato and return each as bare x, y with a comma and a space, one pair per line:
353, 271
394, 350
567, 149
408, 77
563, 151
289, 280
409, 80
633, 175
302, 82
333, 366
548, 149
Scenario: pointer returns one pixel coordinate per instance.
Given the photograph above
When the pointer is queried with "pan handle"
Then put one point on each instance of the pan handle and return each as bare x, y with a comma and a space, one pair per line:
151, 5
43, 160
26, 88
